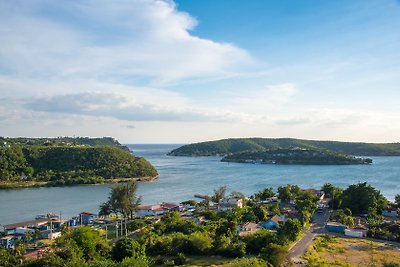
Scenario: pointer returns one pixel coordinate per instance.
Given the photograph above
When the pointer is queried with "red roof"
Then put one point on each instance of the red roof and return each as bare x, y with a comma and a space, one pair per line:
169, 205
145, 207
86, 213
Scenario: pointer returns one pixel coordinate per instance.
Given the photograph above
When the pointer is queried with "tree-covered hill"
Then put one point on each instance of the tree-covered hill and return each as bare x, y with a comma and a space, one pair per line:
295, 156
238, 145
70, 164
61, 141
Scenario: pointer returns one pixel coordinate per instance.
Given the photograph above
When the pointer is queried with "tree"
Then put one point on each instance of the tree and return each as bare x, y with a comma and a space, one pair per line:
85, 241
334, 194
274, 254
219, 194
12, 257
127, 248
288, 192
362, 197
122, 200
397, 200
289, 230
200, 242
264, 194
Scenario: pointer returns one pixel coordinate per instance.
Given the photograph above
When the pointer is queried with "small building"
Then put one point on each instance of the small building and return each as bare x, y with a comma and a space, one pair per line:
356, 232
7, 242
274, 222
87, 217
24, 231
50, 234
335, 227
55, 223
248, 228
392, 213
157, 209
230, 203
11, 228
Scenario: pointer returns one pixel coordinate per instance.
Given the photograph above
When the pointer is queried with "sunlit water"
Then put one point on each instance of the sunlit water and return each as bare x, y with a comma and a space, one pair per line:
182, 177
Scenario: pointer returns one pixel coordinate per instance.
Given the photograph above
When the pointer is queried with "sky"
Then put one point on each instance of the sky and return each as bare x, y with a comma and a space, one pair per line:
153, 71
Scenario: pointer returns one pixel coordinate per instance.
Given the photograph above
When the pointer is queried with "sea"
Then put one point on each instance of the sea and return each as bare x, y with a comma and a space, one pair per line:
183, 177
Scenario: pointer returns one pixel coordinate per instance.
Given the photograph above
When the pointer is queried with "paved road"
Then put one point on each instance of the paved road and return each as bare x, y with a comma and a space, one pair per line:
301, 247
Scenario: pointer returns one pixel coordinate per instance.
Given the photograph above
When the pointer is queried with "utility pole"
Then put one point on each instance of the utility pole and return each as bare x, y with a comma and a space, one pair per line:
116, 229
106, 231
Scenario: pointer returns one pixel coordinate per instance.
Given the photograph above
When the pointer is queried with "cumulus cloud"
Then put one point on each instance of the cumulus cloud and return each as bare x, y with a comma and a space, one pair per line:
108, 39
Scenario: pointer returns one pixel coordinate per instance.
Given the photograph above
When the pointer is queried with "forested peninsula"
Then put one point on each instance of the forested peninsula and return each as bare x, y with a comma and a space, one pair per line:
24, 165
238, 145
295, 156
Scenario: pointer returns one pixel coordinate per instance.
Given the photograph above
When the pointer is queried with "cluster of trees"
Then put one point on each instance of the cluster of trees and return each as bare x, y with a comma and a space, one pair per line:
13, 164
360, 198
62, 141
174, 237
83, 247
68, 165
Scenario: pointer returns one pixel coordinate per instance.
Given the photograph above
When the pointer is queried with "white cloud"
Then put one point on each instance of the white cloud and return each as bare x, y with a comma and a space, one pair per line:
106, 39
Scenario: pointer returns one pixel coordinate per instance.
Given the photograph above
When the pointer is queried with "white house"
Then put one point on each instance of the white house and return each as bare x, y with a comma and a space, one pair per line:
230, 203
157, 209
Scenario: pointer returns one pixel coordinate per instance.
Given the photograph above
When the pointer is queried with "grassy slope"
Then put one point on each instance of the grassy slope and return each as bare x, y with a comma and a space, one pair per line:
350, 252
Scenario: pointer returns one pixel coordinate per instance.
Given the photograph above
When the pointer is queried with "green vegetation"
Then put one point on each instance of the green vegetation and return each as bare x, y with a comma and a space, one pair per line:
334, 251
61, 141
238, 145
295, 156
122, 200
66, 165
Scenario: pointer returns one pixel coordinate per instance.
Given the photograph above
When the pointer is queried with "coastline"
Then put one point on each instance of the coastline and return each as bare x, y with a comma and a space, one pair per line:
5, 185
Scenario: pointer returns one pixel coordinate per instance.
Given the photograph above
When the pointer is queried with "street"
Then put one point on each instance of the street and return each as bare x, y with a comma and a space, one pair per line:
301, 247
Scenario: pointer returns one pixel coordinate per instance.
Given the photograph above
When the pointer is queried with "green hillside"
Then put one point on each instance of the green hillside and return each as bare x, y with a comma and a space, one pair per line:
59, 165
61, 141
237, 145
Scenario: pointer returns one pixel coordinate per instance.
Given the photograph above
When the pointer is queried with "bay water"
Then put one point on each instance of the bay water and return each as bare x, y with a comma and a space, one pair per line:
182, 177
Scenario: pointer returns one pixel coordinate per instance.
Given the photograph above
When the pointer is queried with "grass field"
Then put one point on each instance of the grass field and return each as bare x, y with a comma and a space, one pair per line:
337, 251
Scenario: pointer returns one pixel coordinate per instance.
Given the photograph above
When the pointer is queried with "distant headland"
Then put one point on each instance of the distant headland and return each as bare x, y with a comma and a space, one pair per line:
27, 162
288, 151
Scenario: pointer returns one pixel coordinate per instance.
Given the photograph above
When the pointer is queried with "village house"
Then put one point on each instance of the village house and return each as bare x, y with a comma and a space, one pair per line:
355, 232
274, 222
50, 234
10, 229
230, 203
157, 209
7, 242
390, 212
248, 228
335, 227
87, 217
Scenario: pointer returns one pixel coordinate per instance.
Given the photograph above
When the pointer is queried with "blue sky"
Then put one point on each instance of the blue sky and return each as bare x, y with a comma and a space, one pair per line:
152, 71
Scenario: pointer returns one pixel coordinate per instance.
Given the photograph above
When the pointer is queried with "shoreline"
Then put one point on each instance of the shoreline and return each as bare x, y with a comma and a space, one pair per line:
33, 184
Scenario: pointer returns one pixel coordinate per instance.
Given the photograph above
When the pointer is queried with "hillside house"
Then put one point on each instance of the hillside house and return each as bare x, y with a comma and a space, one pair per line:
248, 228
335, 227
157, 209
230, 203
87, 217
35, 224
390, 212
274, 222
7, 242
